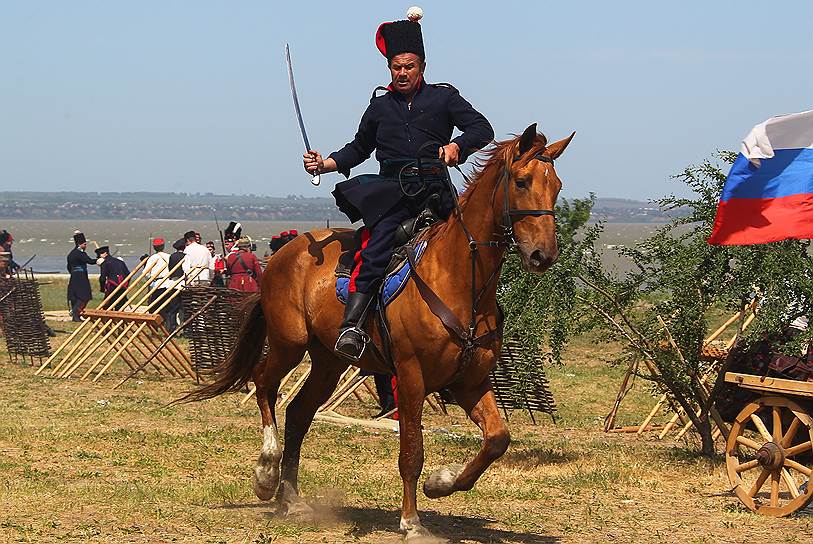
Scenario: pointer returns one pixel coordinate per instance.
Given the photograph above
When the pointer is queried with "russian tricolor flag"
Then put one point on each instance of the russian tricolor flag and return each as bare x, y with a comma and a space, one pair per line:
768, 195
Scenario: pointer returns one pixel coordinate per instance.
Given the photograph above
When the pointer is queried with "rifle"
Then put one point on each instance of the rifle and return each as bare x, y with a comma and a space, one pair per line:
222, 240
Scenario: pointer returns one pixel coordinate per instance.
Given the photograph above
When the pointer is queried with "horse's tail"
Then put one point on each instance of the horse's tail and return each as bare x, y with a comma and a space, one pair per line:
236, 370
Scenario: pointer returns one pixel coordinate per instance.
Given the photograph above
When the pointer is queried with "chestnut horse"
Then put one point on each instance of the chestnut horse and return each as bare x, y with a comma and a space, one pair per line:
297, 311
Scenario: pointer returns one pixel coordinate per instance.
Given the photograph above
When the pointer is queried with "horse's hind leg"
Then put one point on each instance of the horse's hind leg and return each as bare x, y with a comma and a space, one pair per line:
481, 406
326, 369
267, 376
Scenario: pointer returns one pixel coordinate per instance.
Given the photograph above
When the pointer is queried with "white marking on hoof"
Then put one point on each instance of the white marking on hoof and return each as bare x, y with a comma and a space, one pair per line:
266, 473
417, 533
441, 482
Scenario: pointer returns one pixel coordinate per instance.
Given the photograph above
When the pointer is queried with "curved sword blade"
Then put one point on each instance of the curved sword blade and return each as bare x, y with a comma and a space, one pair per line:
296, 100
315, 179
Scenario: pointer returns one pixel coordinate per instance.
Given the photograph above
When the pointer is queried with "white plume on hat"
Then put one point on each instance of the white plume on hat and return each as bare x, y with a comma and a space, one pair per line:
414, 14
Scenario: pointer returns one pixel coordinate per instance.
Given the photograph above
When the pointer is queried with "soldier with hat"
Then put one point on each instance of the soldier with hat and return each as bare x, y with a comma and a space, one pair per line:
6, 241
244, 267
112, 272
410, 127
79, 293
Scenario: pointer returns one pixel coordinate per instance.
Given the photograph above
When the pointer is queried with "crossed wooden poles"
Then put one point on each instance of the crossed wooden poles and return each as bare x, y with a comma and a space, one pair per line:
715, 354
129, 334
350, 383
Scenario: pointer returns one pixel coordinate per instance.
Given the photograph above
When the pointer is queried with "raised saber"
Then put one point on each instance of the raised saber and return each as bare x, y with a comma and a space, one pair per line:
315, 179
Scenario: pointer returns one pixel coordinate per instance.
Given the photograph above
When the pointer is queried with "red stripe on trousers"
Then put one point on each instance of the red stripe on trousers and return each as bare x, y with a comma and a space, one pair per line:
365, 237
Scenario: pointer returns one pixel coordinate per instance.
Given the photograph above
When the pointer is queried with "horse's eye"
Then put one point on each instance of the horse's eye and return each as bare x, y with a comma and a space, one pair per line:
521, 184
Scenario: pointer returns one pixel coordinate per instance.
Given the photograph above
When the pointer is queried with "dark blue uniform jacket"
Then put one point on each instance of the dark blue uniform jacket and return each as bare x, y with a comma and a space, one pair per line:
398, 133
111, 273
79, 284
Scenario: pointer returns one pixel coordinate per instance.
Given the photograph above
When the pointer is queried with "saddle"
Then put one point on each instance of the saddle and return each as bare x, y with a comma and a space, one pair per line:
398, 270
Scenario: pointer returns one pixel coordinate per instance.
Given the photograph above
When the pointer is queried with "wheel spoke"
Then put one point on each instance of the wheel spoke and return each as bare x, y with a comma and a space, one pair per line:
799, 448
775, 489
763, 430
794, 426
777, 425
796, 466
791, 483
759, 483
748, 443
754, 463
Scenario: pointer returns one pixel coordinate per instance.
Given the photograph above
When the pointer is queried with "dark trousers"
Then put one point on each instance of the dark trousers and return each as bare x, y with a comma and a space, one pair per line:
383, 386
122, 302
377, 245
171, 312
158, 295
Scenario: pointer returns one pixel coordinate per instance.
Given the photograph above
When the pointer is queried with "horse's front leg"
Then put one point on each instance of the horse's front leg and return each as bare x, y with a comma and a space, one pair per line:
410, 460
481, 406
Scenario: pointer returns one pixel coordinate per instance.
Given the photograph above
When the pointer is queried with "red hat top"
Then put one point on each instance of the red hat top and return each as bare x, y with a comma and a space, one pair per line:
396, 37
157, 241
294, 232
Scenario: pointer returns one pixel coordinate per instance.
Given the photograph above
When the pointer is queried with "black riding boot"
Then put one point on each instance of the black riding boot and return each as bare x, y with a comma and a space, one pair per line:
351, 340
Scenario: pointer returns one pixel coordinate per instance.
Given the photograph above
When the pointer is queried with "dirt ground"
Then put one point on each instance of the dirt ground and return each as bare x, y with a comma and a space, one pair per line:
82, 463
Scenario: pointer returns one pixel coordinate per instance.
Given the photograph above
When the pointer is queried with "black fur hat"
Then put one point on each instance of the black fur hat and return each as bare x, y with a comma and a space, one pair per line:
79, 238
179, 245
400, 37
233, 231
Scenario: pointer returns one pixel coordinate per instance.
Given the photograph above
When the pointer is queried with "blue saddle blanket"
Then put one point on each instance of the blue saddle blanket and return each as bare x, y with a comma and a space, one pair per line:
394, 282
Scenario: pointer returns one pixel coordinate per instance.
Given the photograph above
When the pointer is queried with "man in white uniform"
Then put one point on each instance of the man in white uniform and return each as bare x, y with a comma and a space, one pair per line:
197, 256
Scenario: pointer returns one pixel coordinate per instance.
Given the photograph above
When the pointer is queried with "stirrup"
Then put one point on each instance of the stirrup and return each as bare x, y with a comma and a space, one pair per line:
349, 332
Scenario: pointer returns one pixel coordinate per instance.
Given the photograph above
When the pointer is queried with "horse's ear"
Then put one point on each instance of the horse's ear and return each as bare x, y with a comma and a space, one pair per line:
557, 148
526, 141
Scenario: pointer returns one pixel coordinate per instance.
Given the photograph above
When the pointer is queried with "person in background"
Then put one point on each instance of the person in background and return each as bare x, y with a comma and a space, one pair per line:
6, 241
197, 237
158, 268
79, 293
175, 281
244, 268
197, 256
112, 272
219, 265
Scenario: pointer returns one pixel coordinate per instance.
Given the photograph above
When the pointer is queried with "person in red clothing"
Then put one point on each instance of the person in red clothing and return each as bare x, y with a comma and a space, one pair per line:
243, 267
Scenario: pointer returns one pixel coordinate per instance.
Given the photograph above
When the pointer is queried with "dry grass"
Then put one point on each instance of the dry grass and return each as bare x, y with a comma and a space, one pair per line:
82, 463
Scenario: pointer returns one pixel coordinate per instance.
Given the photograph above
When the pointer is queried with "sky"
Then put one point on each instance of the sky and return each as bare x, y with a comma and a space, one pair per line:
193, 96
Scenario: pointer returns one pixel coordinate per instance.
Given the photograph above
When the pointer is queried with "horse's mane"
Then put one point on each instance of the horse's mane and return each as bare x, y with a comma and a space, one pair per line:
486, 162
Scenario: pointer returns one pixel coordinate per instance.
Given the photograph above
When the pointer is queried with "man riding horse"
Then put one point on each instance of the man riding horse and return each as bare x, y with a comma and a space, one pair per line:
407, 126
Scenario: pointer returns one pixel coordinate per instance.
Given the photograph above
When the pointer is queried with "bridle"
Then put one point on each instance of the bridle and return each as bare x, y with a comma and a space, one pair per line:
508, 213
506, 236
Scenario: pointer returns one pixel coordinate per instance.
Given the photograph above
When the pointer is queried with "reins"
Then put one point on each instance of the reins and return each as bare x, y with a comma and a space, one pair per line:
506, 240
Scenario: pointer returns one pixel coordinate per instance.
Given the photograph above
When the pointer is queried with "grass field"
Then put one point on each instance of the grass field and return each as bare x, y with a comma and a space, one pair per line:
83, 463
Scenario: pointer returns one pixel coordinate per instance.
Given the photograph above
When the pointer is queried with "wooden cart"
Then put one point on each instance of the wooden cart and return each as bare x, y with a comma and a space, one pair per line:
769, 451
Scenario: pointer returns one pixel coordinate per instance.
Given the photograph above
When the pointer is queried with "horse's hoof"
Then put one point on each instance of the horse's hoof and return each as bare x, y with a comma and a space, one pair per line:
265, 487
441, 482
299, 510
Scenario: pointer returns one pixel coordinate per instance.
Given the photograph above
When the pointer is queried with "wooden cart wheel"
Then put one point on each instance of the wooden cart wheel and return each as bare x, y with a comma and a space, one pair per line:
770, 467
